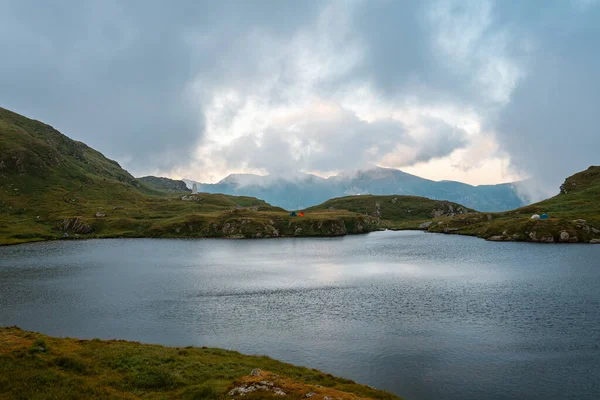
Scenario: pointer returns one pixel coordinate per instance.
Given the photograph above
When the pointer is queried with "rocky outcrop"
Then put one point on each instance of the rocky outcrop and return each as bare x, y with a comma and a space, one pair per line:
566, 237
191, 197
496, 238
267, 385
248, 227
425, 225
543, 239
446, 209
75, 225
377, 212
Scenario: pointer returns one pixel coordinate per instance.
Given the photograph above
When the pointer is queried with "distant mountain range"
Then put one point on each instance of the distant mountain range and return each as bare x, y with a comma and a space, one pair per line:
307, 190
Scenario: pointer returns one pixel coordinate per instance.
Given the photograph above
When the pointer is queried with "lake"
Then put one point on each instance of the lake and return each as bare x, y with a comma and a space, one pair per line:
426, 316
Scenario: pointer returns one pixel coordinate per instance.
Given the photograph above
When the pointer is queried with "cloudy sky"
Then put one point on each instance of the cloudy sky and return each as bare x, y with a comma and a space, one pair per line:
479, 91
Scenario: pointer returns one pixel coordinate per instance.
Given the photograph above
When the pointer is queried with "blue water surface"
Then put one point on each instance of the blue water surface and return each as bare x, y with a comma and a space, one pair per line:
426, 316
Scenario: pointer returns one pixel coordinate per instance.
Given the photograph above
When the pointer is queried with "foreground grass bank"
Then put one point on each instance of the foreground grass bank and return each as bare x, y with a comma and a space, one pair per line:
36, 366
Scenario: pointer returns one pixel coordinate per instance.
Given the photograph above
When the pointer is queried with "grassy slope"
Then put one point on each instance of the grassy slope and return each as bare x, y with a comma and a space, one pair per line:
35, 366
51, 185
579, 200
397, 212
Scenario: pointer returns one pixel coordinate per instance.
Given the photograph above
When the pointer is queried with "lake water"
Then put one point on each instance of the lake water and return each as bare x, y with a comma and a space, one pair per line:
425, 316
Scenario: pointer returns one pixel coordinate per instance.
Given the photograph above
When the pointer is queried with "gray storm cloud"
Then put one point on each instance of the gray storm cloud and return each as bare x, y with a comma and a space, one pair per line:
147, 83
343, 143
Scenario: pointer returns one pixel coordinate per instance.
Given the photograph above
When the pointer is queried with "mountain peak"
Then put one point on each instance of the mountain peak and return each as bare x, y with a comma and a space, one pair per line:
242, 179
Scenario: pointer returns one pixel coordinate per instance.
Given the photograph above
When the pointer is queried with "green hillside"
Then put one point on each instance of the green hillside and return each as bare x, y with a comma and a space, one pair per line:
36, 366
396, 212
53, 187
574, 216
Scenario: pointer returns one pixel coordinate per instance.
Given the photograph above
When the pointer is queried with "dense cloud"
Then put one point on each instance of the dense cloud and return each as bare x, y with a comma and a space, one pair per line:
338, 140
116, 74
201, 89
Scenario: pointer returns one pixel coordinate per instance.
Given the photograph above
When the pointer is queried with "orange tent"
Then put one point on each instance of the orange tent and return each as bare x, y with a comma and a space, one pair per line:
301, 214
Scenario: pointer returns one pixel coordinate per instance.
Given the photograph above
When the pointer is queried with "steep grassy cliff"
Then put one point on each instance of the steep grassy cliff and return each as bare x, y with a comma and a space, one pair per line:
35, 366
574, 216
53, 187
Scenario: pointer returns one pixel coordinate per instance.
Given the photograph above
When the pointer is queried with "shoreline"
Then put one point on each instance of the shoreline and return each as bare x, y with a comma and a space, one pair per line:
507, 240
75, 239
